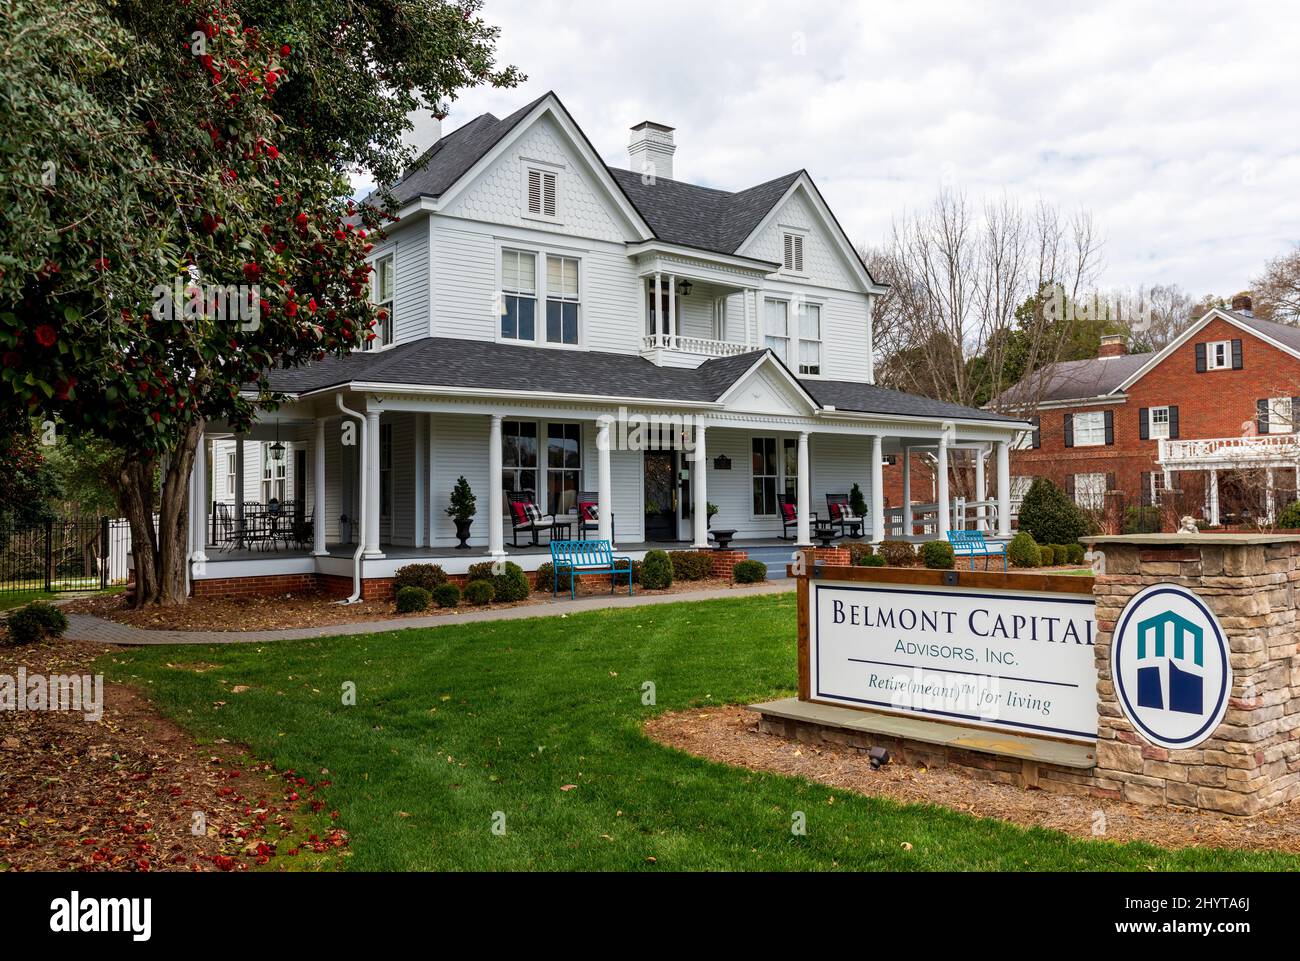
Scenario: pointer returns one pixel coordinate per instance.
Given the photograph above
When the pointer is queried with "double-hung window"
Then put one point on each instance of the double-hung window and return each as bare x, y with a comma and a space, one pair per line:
562, 300
273, 476
230, 473
563, 467
383, 283
519, 456
776, 327
1279, 415
1090, 429
385, 471
1218, 354
518, 295
810, 339
766, 475
1159, 422
1090, 491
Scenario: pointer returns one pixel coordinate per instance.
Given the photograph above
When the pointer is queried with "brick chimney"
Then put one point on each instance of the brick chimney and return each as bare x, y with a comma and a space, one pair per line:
1112, 345
1242, 304
650, 150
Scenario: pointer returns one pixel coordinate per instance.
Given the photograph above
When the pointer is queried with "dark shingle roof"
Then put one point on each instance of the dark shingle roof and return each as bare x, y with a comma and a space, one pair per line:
476, 364
702, 217
1286, 334
870, 399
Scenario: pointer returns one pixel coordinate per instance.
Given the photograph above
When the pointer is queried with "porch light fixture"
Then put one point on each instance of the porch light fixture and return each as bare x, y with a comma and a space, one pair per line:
277, 449
684, 288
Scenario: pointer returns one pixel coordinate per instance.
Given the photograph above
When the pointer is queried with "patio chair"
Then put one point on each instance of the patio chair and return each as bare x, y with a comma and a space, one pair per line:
840, 514
223, 526
526, 516
790, 517
588, 518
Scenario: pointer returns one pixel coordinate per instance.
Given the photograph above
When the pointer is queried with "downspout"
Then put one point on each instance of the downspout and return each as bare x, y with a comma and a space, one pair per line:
361, 527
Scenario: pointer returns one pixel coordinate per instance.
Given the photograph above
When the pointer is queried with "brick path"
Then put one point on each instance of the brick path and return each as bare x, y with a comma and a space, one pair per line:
85, 627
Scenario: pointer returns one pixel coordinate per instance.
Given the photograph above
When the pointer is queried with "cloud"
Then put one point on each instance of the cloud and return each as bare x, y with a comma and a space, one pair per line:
1177, 126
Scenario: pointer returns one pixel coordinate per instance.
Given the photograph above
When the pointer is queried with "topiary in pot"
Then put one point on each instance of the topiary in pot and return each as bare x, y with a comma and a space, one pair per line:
462, 509
428, 576
35, 622
1023, 551
938, 555
1049, 515
749, 572
412, 599
479, 592
446, 595
656, 571
857, 501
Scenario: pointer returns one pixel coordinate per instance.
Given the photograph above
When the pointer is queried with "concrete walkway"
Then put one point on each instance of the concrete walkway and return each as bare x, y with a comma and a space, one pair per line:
85, 627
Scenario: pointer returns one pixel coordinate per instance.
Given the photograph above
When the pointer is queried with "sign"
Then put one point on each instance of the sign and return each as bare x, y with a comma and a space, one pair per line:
1006, 659
722, 462
1171, 667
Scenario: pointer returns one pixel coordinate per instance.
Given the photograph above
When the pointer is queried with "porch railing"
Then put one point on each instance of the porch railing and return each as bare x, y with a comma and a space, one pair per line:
1255, 450
964, 515
692, 345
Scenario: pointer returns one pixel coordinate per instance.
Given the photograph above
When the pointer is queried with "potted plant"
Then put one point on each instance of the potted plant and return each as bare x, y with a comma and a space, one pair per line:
711, 509
462, 510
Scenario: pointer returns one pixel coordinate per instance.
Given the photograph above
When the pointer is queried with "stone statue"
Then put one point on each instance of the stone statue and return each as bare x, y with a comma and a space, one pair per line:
1188, 525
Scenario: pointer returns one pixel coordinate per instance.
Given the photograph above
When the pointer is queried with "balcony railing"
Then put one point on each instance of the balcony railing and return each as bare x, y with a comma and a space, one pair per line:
693, 345
1258, 450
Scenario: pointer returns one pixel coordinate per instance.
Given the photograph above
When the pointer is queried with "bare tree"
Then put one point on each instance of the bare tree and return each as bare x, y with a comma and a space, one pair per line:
1277, 292
1166, 311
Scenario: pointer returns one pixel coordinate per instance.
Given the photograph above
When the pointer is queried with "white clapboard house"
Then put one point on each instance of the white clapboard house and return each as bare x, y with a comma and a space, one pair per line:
541, 304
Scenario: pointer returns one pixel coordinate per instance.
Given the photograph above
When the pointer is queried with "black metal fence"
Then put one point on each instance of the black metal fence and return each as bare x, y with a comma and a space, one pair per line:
64, 554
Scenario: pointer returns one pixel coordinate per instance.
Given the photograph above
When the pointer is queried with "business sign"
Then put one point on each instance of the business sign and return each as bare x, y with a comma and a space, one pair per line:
1006, 659
1171, 668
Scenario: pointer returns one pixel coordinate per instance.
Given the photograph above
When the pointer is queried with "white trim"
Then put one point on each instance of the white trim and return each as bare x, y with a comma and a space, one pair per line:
763, 267
770, 359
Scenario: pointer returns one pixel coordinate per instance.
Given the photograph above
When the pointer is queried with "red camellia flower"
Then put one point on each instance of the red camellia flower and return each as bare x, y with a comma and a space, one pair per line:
284, 50
45, 335
290, 309
157, 417
272, 151
12, 358
301, 220
101, 263
252, 271
311, 305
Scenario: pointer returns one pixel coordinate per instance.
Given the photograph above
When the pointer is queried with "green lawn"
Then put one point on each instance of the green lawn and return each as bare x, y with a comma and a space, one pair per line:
10, 600
453, 724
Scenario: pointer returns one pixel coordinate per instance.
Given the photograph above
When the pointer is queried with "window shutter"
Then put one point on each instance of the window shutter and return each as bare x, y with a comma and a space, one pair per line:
1069, 430
1261, 415
1201, 365
1038, 432
1173, 423
798, 254
1295, 414
534, 191
1144, 423
548, 195
788, 257
1146, 488
1069, 485
1110, 481
1236, 355
1110, 427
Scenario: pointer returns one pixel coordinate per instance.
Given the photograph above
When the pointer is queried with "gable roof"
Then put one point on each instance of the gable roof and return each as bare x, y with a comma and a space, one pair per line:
457, 364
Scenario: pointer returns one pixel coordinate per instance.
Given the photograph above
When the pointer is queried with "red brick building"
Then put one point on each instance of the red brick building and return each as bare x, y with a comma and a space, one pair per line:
1206, 424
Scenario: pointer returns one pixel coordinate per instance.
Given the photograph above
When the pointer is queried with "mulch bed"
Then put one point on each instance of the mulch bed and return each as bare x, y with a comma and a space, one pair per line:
314, 609
730, 735
121, 793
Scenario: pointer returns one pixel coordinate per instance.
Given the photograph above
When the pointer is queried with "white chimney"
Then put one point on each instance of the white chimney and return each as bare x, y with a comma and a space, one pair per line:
650, 150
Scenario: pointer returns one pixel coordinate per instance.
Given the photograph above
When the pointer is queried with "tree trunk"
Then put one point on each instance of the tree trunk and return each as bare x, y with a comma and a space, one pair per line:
160, 555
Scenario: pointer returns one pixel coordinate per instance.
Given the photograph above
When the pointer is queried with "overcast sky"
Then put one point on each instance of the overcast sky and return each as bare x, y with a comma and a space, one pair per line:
1178, 125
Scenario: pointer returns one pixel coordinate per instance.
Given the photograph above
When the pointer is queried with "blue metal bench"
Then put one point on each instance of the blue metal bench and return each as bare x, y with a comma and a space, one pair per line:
587, 557
972, 544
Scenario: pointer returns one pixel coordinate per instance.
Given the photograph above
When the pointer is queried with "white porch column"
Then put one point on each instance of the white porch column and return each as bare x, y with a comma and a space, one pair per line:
981, 491
878, 532
604, 482
239, 490
941, 476
660, 322
419, 489
431, 479
496, 493
318, 546
1271, 503
372, 505
199, 501
804, 495
1004, 488
1214, 498
672, 309
908, 525
700, 491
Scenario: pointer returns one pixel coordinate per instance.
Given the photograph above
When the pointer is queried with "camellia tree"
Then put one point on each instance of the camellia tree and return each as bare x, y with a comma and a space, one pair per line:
175, 217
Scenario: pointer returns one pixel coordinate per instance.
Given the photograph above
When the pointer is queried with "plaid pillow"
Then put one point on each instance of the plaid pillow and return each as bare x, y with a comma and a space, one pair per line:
533, 513
846, 513
588, 511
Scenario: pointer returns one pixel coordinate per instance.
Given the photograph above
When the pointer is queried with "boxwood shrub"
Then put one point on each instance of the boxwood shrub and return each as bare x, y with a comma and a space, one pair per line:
511, 584
1049, 515
1074, 553
480, 592
691, 565
656, 571
1046, 555
938, 555
412, 599
544, 579
428, 576
897, 553
37, 621
1023, 551
872, 560
749, 572
857, 551
446, 595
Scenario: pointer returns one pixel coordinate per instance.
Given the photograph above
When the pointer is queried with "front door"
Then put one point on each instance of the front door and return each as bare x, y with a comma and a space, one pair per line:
660, 495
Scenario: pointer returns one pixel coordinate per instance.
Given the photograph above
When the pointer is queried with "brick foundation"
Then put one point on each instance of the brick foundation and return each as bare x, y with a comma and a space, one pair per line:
724, 562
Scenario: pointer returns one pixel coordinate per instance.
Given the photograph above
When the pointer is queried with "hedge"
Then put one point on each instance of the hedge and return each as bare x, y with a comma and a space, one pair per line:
691, 565
897, 553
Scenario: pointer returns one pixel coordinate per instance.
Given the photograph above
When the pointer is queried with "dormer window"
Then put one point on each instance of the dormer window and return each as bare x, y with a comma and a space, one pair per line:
792, 258
540, 190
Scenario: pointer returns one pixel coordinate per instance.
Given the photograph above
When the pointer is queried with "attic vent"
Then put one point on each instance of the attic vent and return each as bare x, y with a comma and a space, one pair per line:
541, 193
793, 259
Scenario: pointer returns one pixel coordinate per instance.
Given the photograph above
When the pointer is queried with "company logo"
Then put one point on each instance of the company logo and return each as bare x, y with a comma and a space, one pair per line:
1171, 668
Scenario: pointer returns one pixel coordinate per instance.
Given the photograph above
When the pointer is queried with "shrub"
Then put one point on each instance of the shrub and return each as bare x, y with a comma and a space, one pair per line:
412, 599
544, 580
1049, 516
1289, 518
1141, 520
938, 555
1023, 551
511, 584
636, 572
897, 553
872, 560
480, 592
749, 572
1046, 555
857, 551
428, 576
1074, 553
691, 565
37, 621
656, 571
446, 595
482, 571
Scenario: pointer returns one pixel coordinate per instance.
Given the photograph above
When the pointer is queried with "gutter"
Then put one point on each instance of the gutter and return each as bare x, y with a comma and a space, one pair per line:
361, 536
